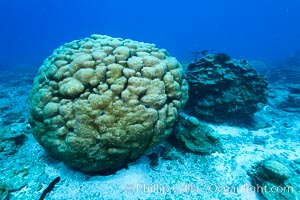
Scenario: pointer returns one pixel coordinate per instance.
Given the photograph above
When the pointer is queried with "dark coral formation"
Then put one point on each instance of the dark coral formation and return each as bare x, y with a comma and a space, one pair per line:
224, 89
196, 136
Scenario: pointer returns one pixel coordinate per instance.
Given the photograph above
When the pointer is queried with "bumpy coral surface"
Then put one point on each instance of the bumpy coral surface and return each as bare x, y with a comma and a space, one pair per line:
272, 173
100, 102
224, 89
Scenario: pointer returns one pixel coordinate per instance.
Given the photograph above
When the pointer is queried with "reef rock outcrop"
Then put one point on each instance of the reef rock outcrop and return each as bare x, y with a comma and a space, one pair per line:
196, 136
275, 178
224, 89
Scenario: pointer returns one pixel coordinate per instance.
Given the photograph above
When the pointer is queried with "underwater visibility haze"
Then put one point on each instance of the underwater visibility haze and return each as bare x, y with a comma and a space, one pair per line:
150, 99
265, 30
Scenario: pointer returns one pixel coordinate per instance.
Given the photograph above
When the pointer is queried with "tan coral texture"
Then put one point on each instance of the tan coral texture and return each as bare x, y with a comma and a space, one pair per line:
101, 102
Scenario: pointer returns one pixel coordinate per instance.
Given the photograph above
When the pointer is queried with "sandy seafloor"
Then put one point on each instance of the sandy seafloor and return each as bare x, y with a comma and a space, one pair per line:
27, 170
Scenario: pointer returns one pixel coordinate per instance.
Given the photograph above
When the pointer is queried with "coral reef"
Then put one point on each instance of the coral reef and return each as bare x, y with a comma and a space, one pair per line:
196, 136
224, 89
274, 179
28, 169
285, 93
101, 102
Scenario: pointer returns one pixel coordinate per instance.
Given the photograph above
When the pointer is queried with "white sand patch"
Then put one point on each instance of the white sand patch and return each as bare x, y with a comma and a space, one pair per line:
230, 130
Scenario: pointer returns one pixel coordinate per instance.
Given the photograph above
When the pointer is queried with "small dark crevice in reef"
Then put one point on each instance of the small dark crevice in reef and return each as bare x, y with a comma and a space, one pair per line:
107, 172
49, 188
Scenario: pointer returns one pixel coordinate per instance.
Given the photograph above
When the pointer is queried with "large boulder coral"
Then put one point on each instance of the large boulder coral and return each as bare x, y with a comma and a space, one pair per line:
101, 102
224, 89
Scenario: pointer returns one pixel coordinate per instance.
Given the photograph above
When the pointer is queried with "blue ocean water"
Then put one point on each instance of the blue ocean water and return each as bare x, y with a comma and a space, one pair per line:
265, 30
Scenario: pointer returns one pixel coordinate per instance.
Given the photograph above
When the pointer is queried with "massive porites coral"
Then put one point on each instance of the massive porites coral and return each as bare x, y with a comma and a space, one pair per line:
101, 102
224, 89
